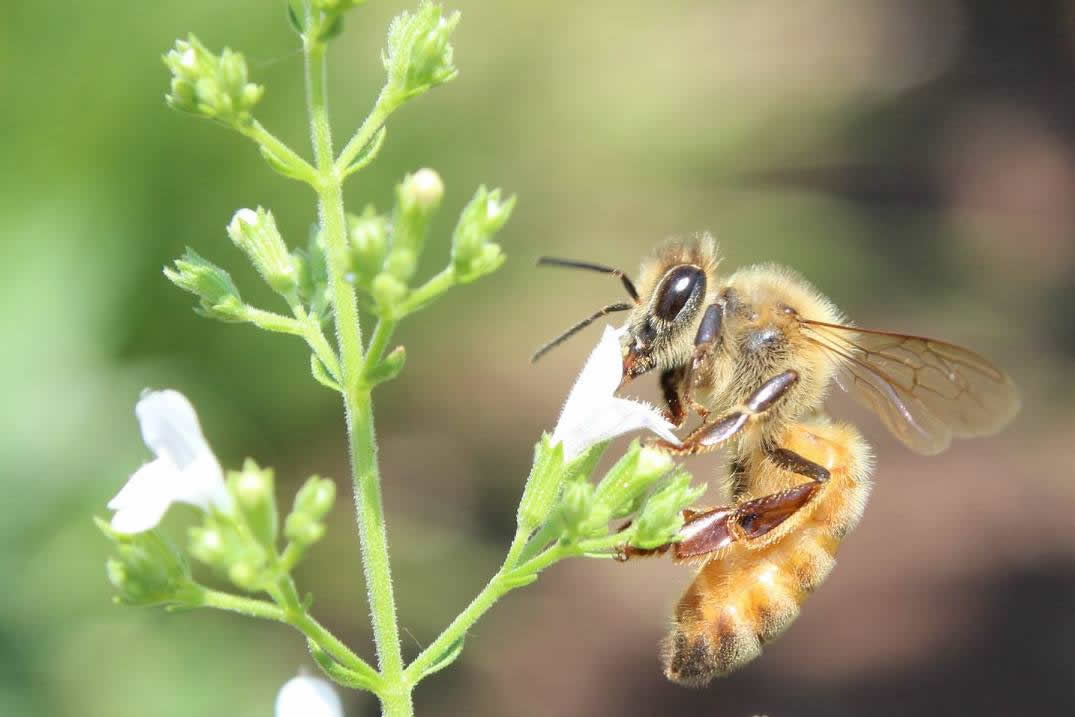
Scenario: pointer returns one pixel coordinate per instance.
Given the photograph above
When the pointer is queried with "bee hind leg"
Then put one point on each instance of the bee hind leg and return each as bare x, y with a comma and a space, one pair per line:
707, 531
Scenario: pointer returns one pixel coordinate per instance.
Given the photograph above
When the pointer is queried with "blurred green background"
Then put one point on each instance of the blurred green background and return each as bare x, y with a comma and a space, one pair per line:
916, 160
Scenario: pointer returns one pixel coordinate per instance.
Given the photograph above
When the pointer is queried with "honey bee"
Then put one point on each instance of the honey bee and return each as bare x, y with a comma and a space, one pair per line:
753, 355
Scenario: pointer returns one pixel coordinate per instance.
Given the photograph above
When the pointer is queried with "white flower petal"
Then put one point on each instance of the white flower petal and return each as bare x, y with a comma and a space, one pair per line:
185, 469
593, 414
170, 427
202, 485
142, 502
305, 696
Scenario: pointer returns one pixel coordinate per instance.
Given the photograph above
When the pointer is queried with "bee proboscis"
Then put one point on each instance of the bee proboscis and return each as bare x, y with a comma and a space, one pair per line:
753, 355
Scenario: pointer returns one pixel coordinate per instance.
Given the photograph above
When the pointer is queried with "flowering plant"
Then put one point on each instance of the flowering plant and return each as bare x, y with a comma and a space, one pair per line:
369, 261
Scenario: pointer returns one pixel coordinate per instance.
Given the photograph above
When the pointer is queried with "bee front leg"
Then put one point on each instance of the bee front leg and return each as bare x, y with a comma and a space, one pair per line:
712, 434
676, 394
678, 383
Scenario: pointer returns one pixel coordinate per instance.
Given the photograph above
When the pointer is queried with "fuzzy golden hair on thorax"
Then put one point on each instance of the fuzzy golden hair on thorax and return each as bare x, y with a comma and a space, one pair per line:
699, 250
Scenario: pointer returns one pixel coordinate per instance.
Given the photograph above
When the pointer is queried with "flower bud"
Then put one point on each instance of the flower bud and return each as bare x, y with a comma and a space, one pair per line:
417, 198
368, 237
219, 298
215, 87
419, 55
304, 525
543, 486
256, 234
422, 191
661, 518
473, 253
387, 289
624, 487
575, 507
253, 491
147, 569
223, 544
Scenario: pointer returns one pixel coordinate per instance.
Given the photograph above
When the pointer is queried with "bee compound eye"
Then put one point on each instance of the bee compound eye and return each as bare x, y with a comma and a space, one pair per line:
679, 285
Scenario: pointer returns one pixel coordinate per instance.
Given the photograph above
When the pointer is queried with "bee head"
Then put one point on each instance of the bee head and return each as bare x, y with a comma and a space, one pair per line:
658, 330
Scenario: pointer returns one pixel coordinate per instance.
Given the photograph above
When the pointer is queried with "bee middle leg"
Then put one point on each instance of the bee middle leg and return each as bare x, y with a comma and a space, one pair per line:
712, 434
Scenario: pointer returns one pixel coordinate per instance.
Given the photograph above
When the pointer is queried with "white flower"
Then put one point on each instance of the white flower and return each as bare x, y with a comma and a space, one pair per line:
305, 696
185, 469
593, 414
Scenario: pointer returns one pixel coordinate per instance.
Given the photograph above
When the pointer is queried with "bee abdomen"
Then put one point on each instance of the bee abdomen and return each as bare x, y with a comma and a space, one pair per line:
728, 614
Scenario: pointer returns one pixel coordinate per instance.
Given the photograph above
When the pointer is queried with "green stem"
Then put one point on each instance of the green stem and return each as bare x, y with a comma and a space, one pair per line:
250, 607
373, 541
301, 168
382, 334
502, 583
385, 105
428, 291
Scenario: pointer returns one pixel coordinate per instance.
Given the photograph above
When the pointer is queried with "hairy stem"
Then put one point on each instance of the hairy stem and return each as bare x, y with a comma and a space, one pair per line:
395, 695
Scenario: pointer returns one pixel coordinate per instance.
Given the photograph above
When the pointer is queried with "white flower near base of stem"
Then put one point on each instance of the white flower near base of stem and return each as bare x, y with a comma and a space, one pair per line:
593, 413
184, 471
306, 696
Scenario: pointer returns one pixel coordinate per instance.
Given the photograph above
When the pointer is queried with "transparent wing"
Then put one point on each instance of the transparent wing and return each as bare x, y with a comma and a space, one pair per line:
925, 391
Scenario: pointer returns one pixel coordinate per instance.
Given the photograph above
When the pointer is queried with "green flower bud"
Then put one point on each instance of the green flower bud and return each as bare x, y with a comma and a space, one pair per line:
147, 570
368, 236
417, 197
223, 545
661, 518
387, 289
624, 487
304, 524
215, 87
473, 253
575, 507
245, 575
256, 234
316, 497
418, 55
401, 263
254, 494
421, 191
543, 486
219, 298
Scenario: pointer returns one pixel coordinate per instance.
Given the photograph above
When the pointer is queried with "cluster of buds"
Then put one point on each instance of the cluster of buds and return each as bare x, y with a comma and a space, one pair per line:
213, 86
218, 297
418, 55
240, 528
474, 254
385, 250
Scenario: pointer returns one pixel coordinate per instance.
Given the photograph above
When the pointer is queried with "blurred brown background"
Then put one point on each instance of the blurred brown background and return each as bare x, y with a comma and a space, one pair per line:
916, 160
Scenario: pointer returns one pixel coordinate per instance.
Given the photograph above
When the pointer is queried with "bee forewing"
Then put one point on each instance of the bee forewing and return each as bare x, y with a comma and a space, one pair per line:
925, 391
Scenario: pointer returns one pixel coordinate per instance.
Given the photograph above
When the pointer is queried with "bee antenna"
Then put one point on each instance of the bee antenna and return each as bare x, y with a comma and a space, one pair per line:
611, 308
627, 283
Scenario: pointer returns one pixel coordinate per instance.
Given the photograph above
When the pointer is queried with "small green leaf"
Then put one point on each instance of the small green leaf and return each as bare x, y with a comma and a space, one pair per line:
294, 16
340, 674
450, 655
388, 368
321, 375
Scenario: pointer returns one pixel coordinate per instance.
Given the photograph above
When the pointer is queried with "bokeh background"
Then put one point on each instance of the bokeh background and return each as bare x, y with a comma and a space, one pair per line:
914, 159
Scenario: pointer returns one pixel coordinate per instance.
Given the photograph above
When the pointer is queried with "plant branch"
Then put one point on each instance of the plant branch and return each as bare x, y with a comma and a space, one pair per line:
395, 697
